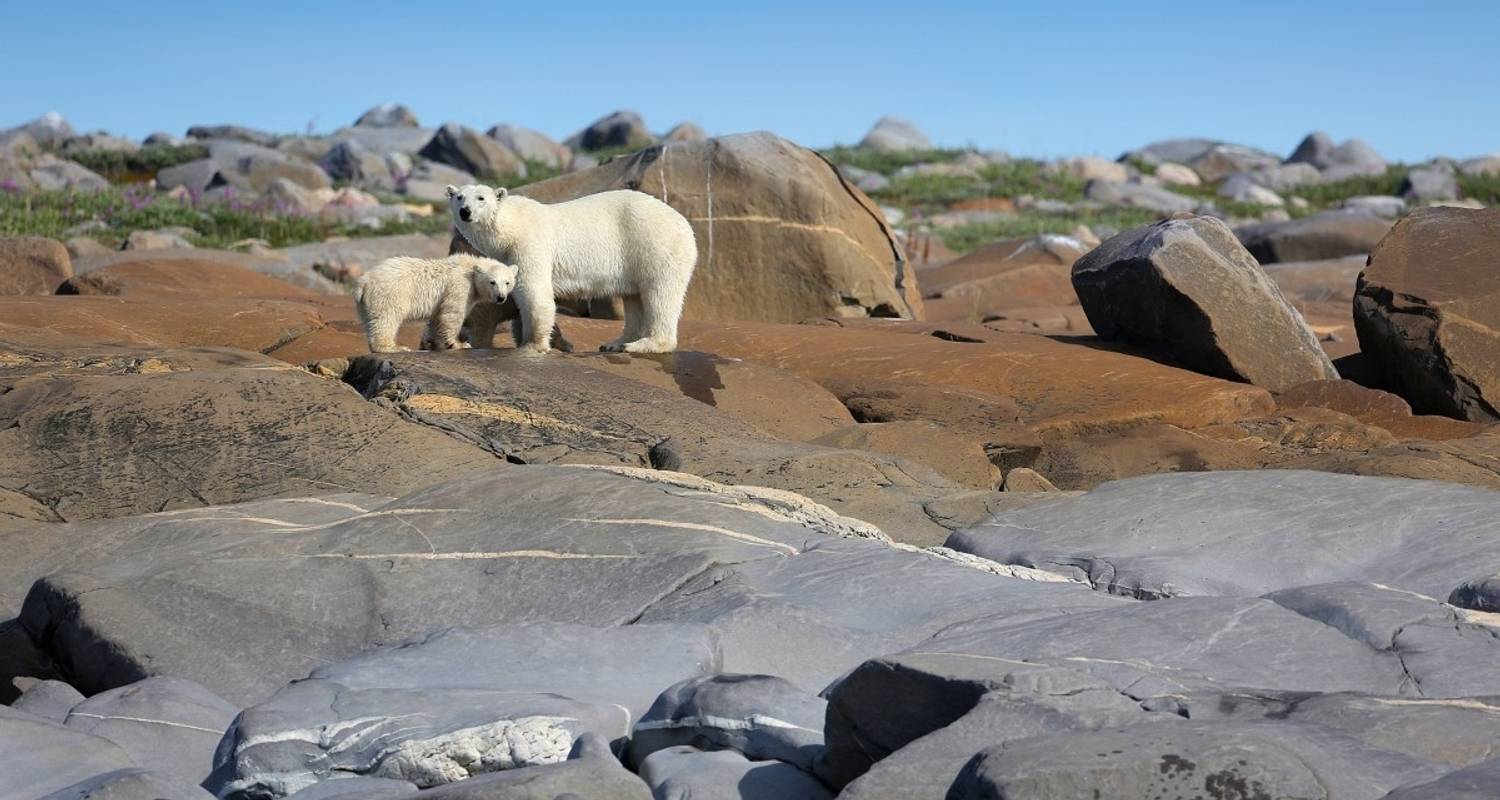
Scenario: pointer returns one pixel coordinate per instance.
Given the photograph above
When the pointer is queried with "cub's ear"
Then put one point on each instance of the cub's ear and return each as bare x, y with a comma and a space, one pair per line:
501, 193
452, 190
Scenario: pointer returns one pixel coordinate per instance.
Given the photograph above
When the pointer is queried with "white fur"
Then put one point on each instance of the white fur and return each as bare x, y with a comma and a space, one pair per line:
439, 290
613, 244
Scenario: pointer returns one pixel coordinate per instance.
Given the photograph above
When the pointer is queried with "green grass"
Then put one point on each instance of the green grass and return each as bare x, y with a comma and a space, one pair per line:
1027, 176
140, 166
1484, 188
535, 171
1324, 195
216, 225
963, 238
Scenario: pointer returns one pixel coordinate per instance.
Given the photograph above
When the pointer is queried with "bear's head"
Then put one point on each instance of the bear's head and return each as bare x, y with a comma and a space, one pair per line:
473, 201
493, 280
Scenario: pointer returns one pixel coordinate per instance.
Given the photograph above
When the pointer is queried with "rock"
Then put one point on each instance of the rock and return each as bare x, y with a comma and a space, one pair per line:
1476, 782
249, 428
1426, 312
428, 181
48, 699
1282, 177
1186, 287
962, 459
1219, 161
32, 265
1470, 460
531, 145
355, 788
1330, 234
1075, 461
232, 133
1135, 195
1242, 188
620, 129
472, 151
98, 141
194, 176
591, 772
388, 115
893, 134
131, 784
575, 545
1353, 158
79, 247
50, 173
49, 130
1210, 533
244, 166
1178, 151
684, 772
155, 240
351, 161
168, 725
429, 712
781, 236
685, 132
38, 757
1427, 185
1022, 479
1484, 165
762, 717
993, 420
1314, 149
1175, 759
999, 277
1177, 175
1093, 169
1379, 205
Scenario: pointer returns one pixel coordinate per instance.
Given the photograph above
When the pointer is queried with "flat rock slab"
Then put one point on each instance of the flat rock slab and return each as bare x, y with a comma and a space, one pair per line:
1248, 533
292, 272
562, 409
38, 756
760, 716
1427, 310
457, 704
243, 599
1331, 234
683, 772
178, 437
168, 725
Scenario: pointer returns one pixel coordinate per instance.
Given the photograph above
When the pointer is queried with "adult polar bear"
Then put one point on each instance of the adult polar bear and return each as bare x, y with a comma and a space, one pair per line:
621, 243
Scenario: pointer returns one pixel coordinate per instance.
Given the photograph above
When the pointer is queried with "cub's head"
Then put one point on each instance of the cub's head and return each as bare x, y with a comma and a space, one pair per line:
473, 201
493, 280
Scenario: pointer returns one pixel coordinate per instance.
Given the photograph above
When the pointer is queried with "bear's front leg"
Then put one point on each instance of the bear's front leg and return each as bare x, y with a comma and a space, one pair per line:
538, 314
445, 324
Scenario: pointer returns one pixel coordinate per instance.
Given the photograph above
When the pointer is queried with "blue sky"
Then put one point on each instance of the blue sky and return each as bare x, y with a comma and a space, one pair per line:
1030, 78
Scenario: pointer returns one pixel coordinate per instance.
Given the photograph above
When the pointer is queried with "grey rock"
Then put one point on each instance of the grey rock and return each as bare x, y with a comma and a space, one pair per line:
366, 251
592, 772
1249, 533
1483, 165
620, 129
1180, 151
161, 138
169, 725
385, 140
49, 130
99, 141
388, 115
457, 704
1379, 205
1314, 149
1479, 594
1476, 782
1242, 188
428, 181
471, 151
1428, 185
131, 784
48, 699
683, 773
1135, 195
531, 145
252, 167
234, 133
355, 788
1222, 160
893, 134
38, 756
1186, 287
763, 717
54, 174
1247, 760
1330, 234
197, 176
1353, 158
685, 132
1282, 177
351, 161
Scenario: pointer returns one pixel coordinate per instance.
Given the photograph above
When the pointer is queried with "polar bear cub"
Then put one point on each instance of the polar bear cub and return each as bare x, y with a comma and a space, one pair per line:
622, 243
439, 290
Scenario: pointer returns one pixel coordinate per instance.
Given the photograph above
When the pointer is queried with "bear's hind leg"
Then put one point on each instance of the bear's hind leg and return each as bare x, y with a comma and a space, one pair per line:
657, 329
444, 326
634, 316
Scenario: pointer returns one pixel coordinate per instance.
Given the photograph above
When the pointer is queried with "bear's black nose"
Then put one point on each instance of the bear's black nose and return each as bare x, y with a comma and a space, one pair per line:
464, 214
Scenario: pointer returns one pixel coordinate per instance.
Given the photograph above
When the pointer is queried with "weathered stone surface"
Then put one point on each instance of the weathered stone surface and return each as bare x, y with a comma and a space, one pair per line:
1473, 459
388, 115
1283, 761
1330, 234
1429, 185
893, 134
1247, 533
457, 704
242, 599
355, 788
1084, 461
33, 265
619, 129
254, 168
1186, 287
131, 784
472, 152
48, 699
168, 725
781, 236
680, 773
233, 133
38, 756
1476, 782
685, 132
281, 265
562, 410
960, 458
531, 145
762, 717
1218, 161
1019, 273
1138, 195
991, 420
1427, 310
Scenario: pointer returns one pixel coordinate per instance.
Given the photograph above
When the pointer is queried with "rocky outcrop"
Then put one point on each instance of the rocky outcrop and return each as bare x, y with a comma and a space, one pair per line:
33, 265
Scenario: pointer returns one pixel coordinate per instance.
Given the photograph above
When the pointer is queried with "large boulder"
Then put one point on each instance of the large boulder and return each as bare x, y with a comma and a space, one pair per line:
1186, 287
1006, 275
620, 129
686, 772
1427, 309
169, 725
232, 133
51, 173
685, 132
531, 145
50, 130
243, 165
893, 134
1219, 161
1139, 195
473, 152
781, 236
33, 265
1353, 158
1428, 184
1330, 234
388, 115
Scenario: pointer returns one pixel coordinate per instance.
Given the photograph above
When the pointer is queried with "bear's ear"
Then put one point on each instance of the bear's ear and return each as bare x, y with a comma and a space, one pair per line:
451, 190
501, 193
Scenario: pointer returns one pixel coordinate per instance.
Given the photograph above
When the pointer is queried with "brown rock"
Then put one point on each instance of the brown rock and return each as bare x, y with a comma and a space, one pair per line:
1022, 479
472, 152
1019, 273
1428, 311
33, 265
960, 458
256, 325
781, 236
1331, 234
94, 283
1313, 430
1323, 292
993, 421
1375, 407
1187, 288
1083, 462
1474, 460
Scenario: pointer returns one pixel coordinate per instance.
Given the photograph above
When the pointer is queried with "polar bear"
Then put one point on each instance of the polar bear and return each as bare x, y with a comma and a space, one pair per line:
622, 244
439, 290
